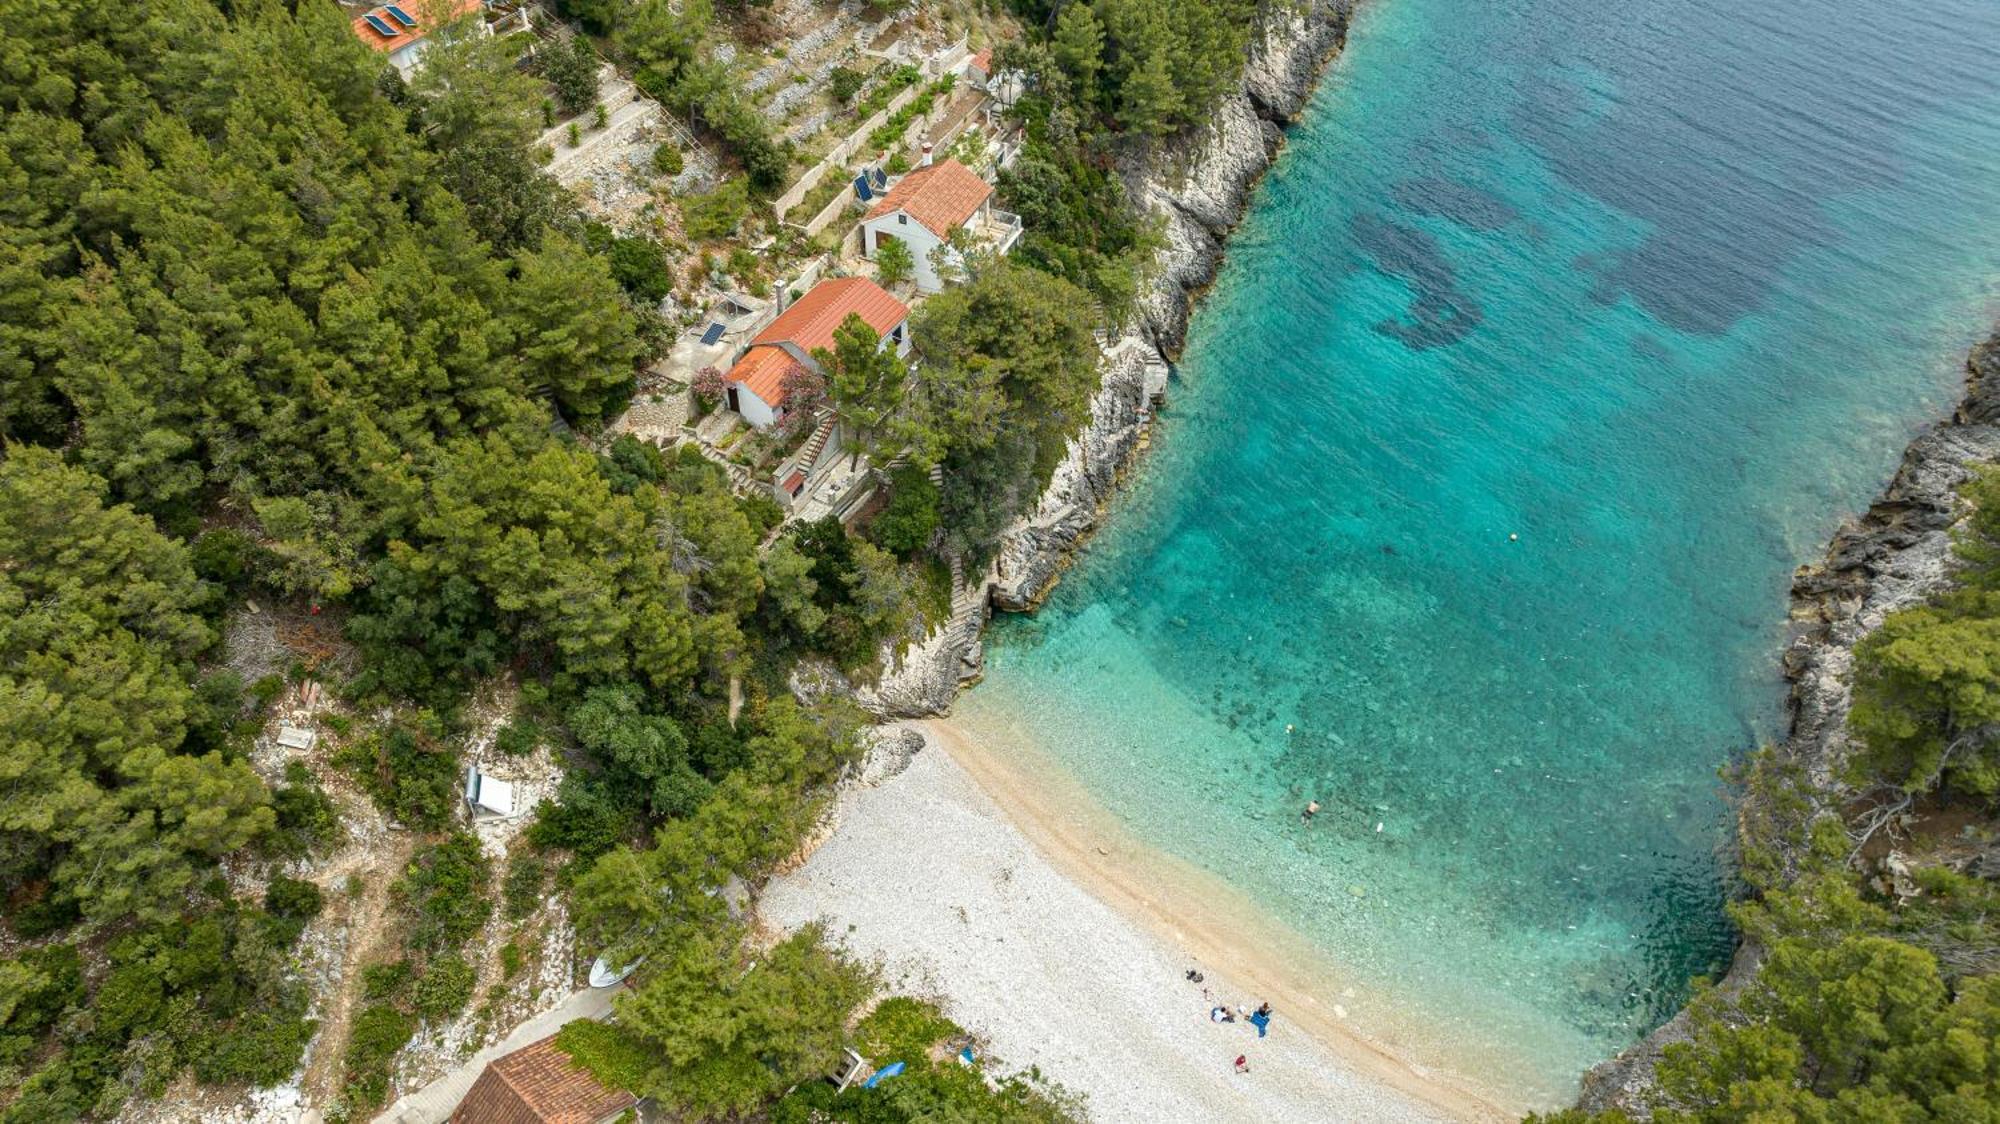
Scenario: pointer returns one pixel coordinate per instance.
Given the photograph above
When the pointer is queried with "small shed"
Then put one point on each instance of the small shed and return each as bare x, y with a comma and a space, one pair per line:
488, 795
539, 1084
295, 737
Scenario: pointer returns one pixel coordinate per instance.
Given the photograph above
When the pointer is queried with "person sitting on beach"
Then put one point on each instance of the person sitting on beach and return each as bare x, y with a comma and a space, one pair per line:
1221, 1015
1242, 1064
1261, 1019
1193, 976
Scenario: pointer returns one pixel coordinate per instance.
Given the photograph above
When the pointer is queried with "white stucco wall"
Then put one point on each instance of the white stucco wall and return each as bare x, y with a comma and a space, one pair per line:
921, 242
755, 410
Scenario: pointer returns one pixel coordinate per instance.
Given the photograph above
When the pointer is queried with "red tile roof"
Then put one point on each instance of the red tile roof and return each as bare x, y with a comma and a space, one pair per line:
983, 61
539, 1084
941, 197
763, 371
809, 324
429, 14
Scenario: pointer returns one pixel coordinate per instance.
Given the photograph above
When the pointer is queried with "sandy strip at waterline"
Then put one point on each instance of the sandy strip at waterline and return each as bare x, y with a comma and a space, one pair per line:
1061, 942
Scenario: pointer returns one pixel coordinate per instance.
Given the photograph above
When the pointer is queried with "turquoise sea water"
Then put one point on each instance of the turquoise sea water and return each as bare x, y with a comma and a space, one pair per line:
1660, 286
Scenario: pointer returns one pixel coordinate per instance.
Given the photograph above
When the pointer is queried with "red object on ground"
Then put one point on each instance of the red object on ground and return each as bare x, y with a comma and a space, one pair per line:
1242, 1064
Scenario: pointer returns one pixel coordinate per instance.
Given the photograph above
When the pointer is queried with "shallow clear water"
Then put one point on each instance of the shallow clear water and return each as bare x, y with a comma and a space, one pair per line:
1660, 286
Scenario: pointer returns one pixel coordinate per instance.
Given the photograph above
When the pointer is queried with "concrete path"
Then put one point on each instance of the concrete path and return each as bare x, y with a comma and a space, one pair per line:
434, 1102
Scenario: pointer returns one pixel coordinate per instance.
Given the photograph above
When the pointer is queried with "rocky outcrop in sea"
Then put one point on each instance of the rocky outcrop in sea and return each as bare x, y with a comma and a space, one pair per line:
1201, 190
1896, 555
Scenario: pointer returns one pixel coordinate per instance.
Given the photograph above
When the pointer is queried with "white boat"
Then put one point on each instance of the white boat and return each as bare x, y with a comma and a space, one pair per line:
601, 974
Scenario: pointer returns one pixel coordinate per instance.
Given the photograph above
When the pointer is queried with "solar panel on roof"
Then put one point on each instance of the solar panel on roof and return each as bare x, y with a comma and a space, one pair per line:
714, 333
399, 15
880, 177
380, 27
861, 189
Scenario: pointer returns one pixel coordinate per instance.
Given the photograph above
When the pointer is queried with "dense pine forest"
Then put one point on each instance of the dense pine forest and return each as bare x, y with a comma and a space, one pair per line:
281, 327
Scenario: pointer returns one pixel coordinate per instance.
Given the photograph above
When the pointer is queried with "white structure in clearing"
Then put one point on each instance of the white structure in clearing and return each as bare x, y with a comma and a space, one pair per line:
924, 209
488, 796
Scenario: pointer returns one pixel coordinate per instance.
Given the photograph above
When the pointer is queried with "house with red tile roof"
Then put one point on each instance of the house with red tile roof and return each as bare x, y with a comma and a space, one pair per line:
979, 67
756, 383
402, 29
539, 1084
926, 208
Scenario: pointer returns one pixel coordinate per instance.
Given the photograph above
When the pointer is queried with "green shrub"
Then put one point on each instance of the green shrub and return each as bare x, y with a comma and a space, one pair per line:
522, 889
511, 960
379, 1031
519, 737
306, 817
571, 67
444, 888
445, 987
895, 262
904, 1029
410, 770
383, 982
640, 267
260, 1047
717, 214
225, 556
292, 903
907, 524
667, 161
844, 83
611, 1055
765, 513
588, 817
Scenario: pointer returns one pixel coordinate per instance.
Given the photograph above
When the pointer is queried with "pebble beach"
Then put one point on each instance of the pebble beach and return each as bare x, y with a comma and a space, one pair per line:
1063, 947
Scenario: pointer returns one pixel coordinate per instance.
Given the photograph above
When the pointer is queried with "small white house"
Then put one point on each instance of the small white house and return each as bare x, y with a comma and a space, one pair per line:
925, 208
756, 384
489, 796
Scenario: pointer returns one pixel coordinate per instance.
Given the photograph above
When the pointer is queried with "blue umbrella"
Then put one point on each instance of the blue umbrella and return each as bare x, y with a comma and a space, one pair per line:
890, 1070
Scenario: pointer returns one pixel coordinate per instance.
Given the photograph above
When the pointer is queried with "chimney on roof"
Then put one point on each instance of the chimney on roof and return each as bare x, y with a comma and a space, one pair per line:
925, 162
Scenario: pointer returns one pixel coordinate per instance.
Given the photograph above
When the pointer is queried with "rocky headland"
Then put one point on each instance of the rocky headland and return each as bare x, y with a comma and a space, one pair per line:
1201, 190
1895, 555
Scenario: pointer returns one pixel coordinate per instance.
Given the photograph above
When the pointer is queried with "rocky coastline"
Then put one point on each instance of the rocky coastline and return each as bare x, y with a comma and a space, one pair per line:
1895, 555
1199, 201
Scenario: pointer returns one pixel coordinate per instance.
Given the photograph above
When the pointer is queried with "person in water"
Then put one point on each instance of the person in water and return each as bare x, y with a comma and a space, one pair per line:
1312, 809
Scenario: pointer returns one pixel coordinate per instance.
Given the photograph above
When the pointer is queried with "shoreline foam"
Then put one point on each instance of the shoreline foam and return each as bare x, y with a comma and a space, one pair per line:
955, 872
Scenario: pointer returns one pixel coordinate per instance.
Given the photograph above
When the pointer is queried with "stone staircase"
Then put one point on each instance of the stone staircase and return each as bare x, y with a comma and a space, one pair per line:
739, 477
968, 616
808, 456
